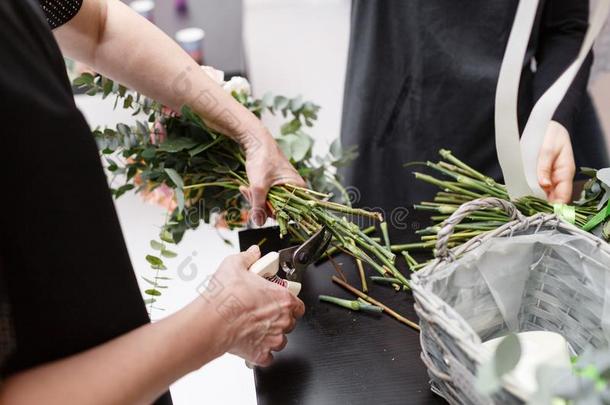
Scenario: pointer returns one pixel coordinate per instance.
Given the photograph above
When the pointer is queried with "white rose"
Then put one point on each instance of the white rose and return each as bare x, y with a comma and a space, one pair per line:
217, 75
238, 84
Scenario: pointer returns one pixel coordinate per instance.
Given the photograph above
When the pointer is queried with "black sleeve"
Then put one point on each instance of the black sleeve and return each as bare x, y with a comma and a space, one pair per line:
59, 12
69, 280
563, 28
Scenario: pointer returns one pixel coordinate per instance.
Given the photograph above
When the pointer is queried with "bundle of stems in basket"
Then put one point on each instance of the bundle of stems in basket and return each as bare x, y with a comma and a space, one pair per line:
460, 183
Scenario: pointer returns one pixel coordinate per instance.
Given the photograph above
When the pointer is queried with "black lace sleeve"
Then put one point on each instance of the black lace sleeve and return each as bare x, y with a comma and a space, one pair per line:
59, 12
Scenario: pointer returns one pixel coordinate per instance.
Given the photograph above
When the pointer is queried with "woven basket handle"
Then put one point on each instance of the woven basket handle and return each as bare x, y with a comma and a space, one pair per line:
448, 226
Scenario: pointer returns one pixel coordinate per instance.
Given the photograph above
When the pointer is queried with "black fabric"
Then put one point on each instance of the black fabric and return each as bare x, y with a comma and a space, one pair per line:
69, 278
7, 331
59, 12
422, 76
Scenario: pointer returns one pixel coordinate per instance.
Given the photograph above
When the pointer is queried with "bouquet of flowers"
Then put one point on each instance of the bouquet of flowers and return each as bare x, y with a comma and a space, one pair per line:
175, 159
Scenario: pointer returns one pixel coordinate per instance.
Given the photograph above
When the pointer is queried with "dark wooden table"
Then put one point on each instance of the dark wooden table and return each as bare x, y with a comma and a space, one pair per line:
337, 356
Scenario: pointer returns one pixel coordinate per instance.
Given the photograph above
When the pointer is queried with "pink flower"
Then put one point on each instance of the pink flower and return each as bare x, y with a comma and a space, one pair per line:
158, 134
162, 195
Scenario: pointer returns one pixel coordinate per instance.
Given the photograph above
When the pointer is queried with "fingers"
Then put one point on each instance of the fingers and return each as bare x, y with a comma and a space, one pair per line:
245, 192
562, 192
299, 308
250, 256
545, 167
258, 197
546, 159
292, 177
264, 360
556, 165
279, 342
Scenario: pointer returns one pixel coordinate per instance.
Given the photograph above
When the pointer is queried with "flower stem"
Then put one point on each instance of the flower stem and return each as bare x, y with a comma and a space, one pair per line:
373, 301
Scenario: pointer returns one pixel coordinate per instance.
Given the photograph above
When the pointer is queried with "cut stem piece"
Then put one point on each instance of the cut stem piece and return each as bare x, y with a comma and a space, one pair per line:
373, 301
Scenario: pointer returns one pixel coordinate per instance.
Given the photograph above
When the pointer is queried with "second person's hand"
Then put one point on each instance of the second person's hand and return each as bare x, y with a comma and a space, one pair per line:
556, 165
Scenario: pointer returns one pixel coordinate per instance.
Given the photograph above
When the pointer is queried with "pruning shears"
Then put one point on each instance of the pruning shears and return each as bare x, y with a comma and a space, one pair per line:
293, 261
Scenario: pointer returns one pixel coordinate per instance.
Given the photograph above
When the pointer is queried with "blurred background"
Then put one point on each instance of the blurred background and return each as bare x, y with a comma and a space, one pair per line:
288, 47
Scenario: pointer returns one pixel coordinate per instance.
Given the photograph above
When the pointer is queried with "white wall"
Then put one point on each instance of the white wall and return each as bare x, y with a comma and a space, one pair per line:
300, 47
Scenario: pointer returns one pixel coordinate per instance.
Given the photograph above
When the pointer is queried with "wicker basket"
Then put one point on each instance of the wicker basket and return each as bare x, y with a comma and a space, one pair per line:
557, 295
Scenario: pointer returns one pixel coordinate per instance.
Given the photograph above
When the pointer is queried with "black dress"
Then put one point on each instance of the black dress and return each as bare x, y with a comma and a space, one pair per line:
68, 278
422, 75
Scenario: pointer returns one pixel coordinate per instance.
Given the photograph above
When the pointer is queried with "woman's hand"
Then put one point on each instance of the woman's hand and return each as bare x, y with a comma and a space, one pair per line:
556, 165
256, 314
266, 166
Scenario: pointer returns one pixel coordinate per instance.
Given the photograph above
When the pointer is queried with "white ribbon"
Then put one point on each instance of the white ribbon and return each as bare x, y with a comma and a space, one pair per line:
518, 158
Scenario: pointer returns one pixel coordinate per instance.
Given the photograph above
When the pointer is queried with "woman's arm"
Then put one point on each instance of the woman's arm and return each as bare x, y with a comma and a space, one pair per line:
117, 42
139, 366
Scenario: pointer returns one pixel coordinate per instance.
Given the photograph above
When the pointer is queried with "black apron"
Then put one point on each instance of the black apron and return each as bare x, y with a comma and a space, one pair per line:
422, 76
69, 280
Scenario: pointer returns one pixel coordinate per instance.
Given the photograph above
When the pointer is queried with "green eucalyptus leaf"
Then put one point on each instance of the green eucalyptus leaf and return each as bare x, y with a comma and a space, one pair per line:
152, 292
177, 144
142, 128
83, 79
175, 177
123, 189
157, 245
166, 236
267, 100
154, 260
128, 102
285, 146
280, 102
148, 153
222, 169
179, 199
296, 103
107, 86
123, 129
168, 253
122, 90
336, 150
291, 127
300, 147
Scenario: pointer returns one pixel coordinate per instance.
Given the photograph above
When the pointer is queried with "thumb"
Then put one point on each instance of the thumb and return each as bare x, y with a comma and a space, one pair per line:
250, 256
258, 197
